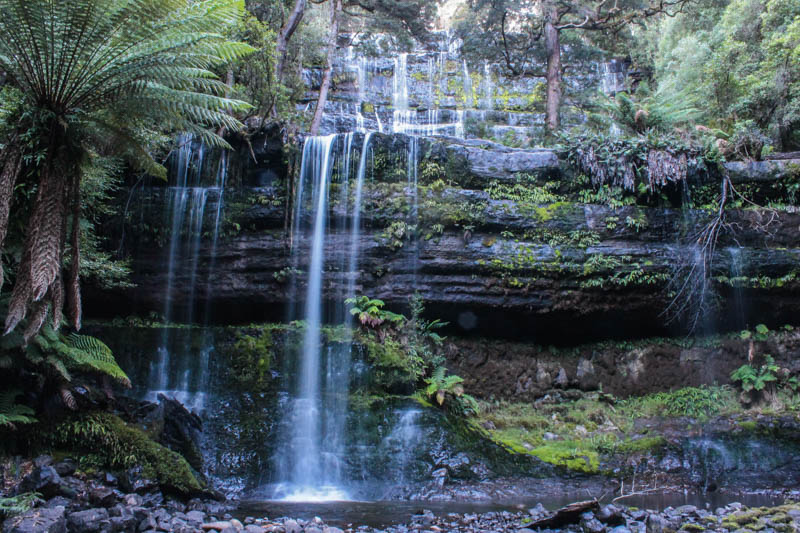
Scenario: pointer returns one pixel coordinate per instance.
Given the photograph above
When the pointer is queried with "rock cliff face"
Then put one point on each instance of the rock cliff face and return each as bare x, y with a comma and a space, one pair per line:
541, 261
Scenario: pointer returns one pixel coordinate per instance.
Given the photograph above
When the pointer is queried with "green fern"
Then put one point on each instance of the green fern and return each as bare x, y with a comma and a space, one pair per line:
12, 413
18, 504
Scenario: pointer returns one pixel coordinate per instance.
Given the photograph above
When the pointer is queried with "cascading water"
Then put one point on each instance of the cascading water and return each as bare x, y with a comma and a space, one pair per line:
736, 276
310, 465
180, 371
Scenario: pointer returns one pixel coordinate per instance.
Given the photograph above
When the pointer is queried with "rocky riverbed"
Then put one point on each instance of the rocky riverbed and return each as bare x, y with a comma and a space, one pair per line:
73, 502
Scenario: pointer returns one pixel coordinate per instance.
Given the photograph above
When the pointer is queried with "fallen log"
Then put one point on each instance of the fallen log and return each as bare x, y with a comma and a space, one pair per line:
571, 514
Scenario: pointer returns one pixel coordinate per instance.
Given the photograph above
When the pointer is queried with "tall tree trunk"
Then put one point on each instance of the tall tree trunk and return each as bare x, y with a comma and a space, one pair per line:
552, 46
336, 8
285, 35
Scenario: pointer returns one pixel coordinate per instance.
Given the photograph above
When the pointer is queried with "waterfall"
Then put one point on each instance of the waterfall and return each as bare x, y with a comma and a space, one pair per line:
311, 465
488, 89
181, 371
401, 443
736, 274
468, 100
402, 115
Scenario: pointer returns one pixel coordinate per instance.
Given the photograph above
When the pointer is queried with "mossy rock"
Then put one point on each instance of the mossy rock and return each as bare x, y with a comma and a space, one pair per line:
104, 440
644, 444
692, 527
563, 454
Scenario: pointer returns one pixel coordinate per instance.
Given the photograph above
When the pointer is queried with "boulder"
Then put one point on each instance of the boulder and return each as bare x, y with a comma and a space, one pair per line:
88, 521
41, 520
44, 480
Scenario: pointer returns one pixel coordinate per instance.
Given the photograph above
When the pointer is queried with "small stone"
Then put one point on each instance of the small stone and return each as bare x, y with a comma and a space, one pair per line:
655, 524
312, 529
590, 524
550, 436
252, 528
686, 510
103, 497
132, 500
196, 517
536, 511
610, 515
238, 526
331, 529
219, 526
291, 526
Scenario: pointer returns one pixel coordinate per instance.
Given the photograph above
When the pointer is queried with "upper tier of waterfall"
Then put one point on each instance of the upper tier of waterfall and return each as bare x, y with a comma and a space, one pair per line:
433, 90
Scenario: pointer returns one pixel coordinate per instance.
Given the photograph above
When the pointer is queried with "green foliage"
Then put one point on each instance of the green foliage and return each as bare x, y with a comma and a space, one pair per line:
18, 504
441, 388
371, 314
251, 358
740, 59
105, 441
12, 413
647, 111
54, 352
525, 193
395, 235
756, 379
693, 402
651, 160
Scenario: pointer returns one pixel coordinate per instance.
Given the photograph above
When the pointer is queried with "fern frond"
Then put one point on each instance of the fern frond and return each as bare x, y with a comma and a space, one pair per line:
12, 413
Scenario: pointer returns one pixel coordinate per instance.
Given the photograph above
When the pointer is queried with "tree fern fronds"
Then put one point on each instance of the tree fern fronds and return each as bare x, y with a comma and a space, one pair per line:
93, 353
13, 413
19, 504
87, 69
68, 398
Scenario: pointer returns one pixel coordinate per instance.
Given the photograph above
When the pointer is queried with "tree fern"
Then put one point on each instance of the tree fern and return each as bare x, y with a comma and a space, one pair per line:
94, 76
12, 413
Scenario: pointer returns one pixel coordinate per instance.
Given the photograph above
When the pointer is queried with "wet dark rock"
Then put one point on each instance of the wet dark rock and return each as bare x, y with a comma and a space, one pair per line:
103, 497
42, 520
66, 467
44, 480
43, 460
656, 524
133, 480
88, 521
590, 524
611, 515
57, 501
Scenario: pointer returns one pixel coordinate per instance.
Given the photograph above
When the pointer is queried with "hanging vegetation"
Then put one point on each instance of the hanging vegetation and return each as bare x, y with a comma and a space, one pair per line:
651, 160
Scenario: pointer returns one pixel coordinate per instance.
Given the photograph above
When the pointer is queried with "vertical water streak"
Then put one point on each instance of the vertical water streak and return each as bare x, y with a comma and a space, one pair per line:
179, 370
736, 276
488, 89
468, 100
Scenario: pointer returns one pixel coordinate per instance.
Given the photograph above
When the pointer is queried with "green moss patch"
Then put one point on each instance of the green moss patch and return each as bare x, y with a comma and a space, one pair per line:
103, 440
